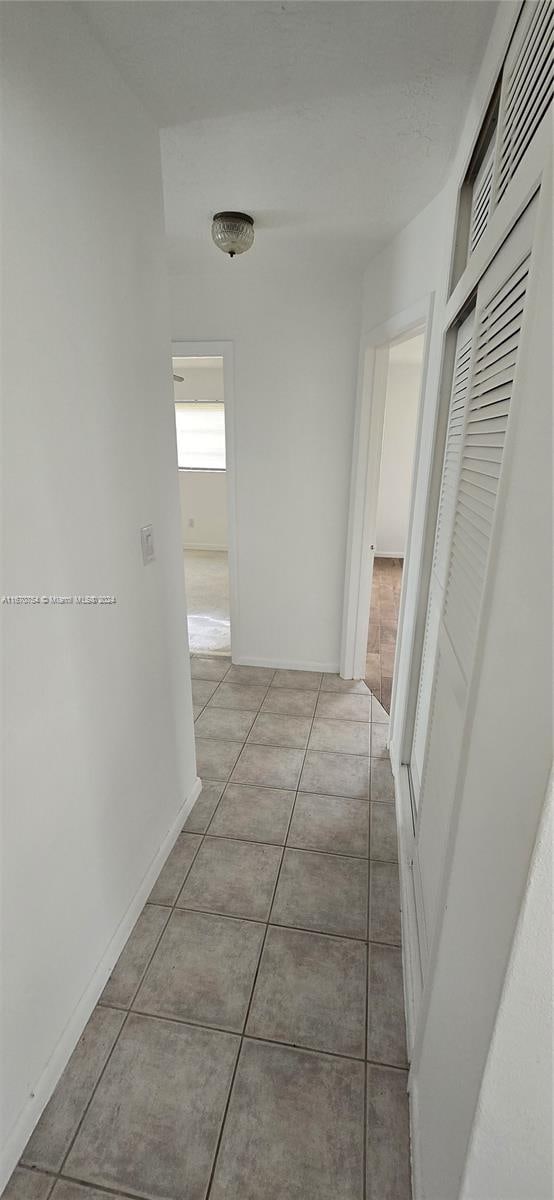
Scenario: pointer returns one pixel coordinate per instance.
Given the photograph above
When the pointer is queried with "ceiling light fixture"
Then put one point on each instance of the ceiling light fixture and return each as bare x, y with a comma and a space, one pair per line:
233, 232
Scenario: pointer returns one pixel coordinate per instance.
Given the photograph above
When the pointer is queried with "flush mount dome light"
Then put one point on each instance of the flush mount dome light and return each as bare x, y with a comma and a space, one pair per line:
233, 232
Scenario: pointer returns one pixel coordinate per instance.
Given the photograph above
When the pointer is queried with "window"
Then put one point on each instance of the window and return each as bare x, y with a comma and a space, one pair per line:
200, 436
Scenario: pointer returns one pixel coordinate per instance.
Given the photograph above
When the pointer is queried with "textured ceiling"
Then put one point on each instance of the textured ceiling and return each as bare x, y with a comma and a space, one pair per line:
331, 122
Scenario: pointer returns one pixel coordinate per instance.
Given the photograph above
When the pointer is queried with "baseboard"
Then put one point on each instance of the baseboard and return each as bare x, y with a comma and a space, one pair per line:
410, 933
410, 947
415, 1155
390, 554
42, 1091
204, 546
286, 664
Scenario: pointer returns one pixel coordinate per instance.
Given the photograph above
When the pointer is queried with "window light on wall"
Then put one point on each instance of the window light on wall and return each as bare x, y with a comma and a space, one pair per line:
200, 436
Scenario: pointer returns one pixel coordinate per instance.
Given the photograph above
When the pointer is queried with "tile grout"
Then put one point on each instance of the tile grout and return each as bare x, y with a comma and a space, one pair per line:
255, 979
214, 912
174, 906
237, 837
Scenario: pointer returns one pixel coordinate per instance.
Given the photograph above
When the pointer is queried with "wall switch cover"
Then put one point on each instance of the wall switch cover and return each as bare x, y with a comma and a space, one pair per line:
147, 543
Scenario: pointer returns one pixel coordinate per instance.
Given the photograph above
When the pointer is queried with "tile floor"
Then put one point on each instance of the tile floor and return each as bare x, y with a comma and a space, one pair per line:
250, 1041
383, 625
207, 589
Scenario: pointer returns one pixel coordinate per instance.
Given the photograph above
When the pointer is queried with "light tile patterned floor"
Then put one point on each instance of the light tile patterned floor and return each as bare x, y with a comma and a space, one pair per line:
250, 1041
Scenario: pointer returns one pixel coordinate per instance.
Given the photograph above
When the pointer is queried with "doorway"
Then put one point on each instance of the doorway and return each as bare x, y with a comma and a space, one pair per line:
201, 393
371, 650
399, 433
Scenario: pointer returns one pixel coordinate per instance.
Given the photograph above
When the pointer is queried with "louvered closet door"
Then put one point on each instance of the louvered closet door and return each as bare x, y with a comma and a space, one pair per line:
490, 396
443, 530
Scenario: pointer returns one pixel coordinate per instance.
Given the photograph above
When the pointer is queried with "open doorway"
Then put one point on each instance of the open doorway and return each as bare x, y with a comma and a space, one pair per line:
199, 392
399, 433
389, 435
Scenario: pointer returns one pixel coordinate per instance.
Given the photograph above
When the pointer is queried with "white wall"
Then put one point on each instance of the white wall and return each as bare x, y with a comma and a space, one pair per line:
204, 501
516, 1091
99, 751
293, 316
398, 449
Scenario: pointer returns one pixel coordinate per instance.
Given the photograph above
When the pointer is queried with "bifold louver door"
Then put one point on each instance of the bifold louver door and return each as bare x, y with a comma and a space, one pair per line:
526, 89
490, 394
443, 530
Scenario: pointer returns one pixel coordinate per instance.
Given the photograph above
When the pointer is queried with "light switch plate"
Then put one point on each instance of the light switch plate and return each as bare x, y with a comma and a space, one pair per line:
147, 543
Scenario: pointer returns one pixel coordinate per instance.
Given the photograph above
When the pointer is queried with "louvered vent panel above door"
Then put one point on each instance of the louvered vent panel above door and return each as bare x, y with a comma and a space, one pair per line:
497, 341
481, 198
527, 89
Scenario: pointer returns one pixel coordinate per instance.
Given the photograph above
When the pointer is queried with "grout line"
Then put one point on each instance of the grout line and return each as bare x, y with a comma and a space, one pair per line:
250, 741
126, 1018
85, 1184
271, 787
254, 1037
129, 1009
255, 979
375, 1062
236, 837
174, 906
214, 912
182, 908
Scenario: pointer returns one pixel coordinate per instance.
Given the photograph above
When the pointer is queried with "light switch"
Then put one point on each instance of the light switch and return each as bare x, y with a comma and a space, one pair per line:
147, 543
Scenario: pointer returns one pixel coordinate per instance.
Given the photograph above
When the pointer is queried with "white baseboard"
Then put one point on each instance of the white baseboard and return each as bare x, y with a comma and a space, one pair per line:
205, 546
42, 1091
410, 933
390, 554
415, 1156
410, 942
285, 664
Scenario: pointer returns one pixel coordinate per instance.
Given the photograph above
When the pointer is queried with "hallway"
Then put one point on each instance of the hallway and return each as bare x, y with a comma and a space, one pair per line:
225, 887
243, 1046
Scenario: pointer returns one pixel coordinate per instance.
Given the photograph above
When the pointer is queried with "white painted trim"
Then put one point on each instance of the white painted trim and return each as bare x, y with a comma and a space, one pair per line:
389, 553
411, 954
204, 546
285, 664
415, 1152
225, 350
366, 459
43, 1089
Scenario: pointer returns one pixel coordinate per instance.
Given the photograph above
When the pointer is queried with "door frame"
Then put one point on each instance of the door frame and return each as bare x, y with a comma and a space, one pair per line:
364, 493
183, 348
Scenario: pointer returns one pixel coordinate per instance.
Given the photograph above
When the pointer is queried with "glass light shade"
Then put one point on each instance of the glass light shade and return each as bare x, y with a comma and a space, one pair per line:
233, 232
